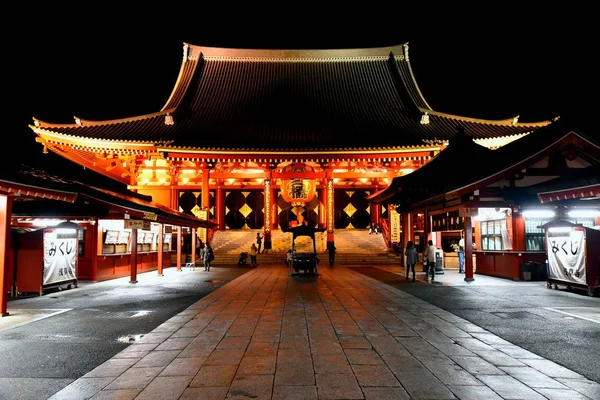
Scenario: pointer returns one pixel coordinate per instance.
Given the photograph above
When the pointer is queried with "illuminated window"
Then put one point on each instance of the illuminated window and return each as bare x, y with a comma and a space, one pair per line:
491, 234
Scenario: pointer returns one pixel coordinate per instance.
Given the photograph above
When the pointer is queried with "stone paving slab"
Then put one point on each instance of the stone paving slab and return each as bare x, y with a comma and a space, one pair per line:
340, 335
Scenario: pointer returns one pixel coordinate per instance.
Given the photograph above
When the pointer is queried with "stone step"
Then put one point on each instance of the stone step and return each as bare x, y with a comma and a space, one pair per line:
353, 247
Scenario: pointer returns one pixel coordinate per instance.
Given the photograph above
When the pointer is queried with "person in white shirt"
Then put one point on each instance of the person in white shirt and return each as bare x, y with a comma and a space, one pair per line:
429, 257
461, 255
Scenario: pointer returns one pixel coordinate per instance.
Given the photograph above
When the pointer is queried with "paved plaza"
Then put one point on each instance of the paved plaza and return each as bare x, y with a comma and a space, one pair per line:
341, 335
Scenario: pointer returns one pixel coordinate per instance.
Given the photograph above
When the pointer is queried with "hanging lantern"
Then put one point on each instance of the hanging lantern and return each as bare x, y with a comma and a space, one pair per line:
298, 190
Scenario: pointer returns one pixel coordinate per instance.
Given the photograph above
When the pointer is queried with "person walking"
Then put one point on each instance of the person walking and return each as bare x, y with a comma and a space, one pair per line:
253, 252
461, 254
331, 249
429, 256
259, 239
411, 258
208, 256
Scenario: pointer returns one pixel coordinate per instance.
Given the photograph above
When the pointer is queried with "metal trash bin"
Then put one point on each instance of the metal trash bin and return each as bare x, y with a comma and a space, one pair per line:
538, 271
526, 271
439, 262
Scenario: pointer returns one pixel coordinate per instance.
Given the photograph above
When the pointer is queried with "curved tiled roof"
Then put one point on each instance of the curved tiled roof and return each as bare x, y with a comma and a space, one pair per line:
291, 100
454, 174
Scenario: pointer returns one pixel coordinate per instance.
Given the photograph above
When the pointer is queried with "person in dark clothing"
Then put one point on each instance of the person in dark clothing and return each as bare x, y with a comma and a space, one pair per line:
331, 249
411, 258
259, 239
208, 256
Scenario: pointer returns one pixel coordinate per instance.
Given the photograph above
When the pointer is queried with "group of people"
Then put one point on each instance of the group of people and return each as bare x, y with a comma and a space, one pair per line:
374, 228
429, 258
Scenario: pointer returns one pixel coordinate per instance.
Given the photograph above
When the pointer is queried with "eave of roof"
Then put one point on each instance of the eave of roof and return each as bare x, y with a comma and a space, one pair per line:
501, 164
450, 165
29, 183
219, 91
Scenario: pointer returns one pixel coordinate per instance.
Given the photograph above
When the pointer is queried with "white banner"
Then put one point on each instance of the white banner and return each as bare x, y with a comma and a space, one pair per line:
566, 256
60, 256
394, 226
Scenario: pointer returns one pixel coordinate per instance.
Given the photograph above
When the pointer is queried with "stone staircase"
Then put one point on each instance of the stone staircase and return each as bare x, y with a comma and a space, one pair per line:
353, 247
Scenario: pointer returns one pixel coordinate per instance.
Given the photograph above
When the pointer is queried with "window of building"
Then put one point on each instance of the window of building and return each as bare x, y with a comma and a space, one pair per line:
491, 234
81, 242
534, 236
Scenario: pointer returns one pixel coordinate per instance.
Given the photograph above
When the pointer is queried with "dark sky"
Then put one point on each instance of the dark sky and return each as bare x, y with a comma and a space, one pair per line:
492, 64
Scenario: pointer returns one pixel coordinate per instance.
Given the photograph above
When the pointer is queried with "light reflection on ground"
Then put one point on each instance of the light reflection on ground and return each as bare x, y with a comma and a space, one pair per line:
129, 338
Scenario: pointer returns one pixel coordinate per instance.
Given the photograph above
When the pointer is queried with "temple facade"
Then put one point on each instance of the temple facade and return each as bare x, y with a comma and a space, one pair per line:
268, 139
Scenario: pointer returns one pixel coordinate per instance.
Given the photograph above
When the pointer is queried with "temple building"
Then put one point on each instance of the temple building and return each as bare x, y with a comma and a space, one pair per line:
268, 139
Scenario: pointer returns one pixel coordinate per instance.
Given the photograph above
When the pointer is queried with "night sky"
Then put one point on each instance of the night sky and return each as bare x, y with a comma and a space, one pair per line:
494, 65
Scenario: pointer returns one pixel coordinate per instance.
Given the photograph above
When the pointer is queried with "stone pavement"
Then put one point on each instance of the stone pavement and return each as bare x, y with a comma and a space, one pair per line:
341, 335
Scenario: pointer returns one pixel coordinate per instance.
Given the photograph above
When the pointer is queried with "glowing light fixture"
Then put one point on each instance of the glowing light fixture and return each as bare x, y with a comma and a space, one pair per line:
538, 213
584, 213
560, 229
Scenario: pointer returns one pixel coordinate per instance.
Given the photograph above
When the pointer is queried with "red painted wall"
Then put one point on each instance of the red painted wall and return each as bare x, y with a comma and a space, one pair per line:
505, 264
30, 261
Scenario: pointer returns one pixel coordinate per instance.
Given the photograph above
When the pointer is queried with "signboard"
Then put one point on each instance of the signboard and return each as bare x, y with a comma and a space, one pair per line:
566, 255
202, 232
60, 255
394, 227
506, 239
133, 224
469, 212
149, 238
123, 237
111, 237
150, 216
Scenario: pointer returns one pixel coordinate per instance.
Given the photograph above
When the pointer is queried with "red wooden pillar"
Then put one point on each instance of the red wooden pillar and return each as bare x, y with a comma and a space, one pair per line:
96, 246
194, 245
268, 210
468, 250
330, 210
5, 213
179, 244
427, 229
375, 213
133, 258
220, 207
323, 205
518, 232
205, 189
408, 228
376, 209
160, 249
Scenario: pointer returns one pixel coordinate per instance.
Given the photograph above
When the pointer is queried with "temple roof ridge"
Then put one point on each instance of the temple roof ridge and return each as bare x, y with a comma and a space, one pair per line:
193, 51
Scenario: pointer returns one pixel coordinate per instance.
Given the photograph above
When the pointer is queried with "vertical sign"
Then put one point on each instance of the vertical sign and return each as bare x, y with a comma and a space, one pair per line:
202, 232
60, 255
394, 226
566, 255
